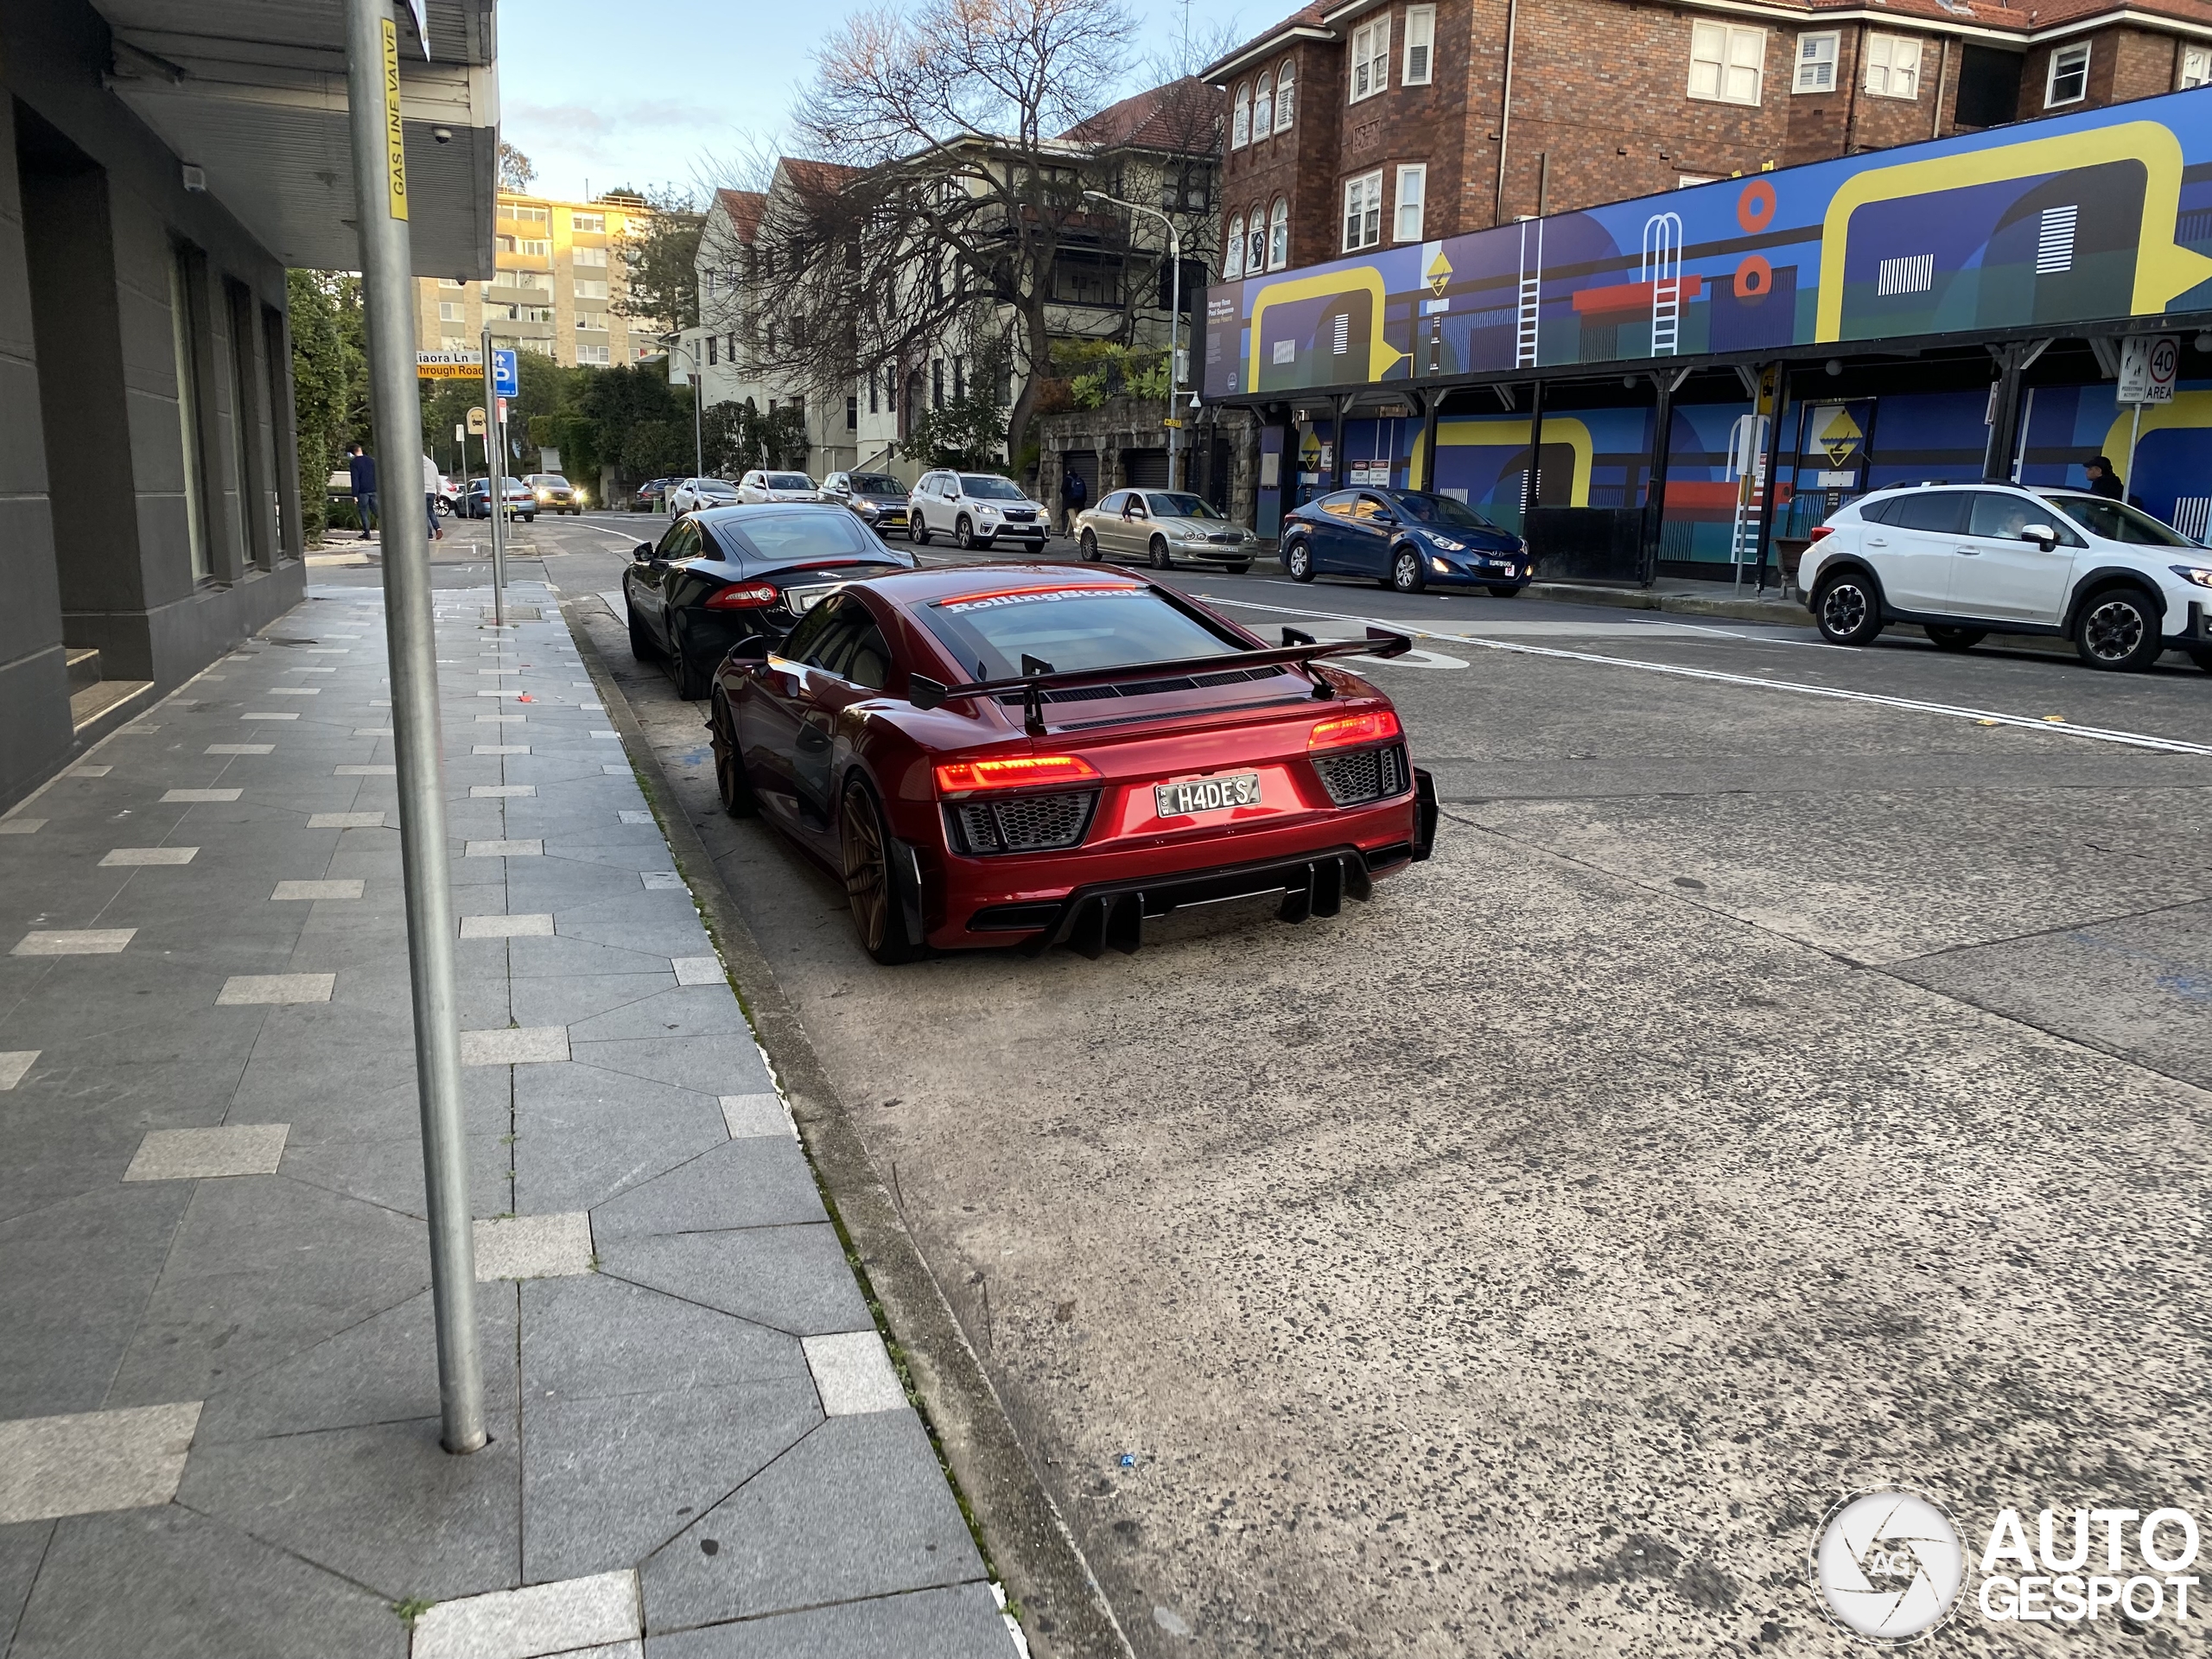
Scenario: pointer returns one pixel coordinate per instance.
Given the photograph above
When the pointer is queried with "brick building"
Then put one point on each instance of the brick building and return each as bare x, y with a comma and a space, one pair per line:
1367, 123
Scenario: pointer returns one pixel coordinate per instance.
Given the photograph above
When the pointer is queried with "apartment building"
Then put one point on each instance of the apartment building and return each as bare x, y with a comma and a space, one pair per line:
558, 270
1363, 123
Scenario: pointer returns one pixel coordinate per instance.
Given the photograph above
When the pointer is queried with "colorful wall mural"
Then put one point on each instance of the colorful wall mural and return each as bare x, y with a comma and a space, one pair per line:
2102, 215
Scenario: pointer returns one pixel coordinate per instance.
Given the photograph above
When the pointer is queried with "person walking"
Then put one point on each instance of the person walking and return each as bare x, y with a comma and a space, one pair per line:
433, 481
2102, 479
362, 469
1073, 493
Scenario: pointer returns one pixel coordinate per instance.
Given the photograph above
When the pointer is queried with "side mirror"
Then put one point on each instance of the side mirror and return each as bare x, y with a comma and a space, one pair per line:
643, 550
2042, 535
1386, 520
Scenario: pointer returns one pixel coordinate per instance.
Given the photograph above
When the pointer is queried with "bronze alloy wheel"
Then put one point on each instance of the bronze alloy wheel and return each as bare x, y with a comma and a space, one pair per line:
876, 918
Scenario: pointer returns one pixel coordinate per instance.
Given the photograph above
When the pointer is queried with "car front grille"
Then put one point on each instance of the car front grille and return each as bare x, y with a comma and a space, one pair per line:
1361, 775
1020, 516
1021, 824
1229, 540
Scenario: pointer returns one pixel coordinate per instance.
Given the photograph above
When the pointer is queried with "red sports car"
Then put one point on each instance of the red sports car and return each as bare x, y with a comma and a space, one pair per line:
1019, 754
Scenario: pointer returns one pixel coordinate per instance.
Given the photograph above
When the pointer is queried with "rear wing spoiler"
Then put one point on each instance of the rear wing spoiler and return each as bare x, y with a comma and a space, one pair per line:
1296, 650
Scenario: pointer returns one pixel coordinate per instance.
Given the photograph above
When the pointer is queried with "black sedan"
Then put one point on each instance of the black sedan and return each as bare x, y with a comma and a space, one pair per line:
726, 573
1405, 539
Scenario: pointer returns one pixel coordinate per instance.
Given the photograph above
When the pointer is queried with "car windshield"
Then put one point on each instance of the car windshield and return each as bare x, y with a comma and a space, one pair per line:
2116, 521
981, 487
1179, 505
553, 481
790, 482
713, 484
1443, 510
1074, 628
791, 537
877, 484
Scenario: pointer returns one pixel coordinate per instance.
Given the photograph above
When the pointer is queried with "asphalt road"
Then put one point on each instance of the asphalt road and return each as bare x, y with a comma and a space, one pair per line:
1788, 1076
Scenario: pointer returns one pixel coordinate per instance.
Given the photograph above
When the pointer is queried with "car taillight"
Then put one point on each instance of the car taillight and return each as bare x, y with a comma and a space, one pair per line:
1012, 772
754, 596
1820, 531
1373, 727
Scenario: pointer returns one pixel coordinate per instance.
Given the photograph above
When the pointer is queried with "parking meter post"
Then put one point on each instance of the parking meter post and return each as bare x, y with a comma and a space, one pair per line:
388, 292
495, 502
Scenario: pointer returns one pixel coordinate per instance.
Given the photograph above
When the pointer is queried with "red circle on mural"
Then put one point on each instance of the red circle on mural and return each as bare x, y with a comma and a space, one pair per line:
1755, 207
1753, 277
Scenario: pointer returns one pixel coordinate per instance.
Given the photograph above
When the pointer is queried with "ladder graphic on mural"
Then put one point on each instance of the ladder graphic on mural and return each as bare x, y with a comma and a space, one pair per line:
1663, 268
1531, 295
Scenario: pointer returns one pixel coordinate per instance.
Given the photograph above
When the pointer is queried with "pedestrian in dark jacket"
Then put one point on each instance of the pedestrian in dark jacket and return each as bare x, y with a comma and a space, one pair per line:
2102, 479
1073, 493
362, 469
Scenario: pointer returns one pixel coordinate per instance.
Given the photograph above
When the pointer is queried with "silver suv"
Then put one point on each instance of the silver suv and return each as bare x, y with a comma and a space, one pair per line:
1964, 562
975, 509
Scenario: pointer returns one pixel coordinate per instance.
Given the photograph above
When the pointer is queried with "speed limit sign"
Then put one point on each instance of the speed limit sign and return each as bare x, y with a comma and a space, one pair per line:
2149, 366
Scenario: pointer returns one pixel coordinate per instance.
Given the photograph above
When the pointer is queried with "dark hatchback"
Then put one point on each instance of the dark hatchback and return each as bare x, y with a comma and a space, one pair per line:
726, 573
1405, 539
878, 498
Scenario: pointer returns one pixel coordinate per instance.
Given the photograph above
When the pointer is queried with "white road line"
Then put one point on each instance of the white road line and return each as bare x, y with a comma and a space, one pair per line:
1913, 705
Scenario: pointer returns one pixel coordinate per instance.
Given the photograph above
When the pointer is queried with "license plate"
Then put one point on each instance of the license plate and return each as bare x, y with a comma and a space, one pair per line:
1206, 795
803, 599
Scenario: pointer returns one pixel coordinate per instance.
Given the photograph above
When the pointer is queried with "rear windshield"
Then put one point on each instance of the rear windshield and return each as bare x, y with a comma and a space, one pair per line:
877, 484
1070, 628
2116, 522
981, 487
553, 480
790, 482
1443, 510
787, 537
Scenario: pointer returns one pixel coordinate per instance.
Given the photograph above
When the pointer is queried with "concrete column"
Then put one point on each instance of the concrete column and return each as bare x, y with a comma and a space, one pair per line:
276, 335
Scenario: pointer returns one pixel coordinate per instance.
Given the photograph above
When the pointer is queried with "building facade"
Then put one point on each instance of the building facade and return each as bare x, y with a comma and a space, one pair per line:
556, 277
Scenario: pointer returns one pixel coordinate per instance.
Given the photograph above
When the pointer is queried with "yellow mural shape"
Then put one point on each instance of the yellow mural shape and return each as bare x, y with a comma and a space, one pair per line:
1382, 356
2188, 408
1439, 272
1514, 434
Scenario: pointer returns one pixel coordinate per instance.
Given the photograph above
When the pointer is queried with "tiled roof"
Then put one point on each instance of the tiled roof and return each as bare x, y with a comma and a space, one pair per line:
1180, 116
816, 178
743, 209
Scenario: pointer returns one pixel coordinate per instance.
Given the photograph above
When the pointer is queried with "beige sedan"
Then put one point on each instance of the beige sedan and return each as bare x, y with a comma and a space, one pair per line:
1161, 526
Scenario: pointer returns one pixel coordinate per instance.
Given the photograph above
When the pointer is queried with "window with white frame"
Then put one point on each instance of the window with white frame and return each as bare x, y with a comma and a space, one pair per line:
1232, 256
589, 223
1371, 57
1816, 58
1727, 62
1892, 66
1684, 180
2069, 76
592, 256
1256, 244
592, 353
1279, 235
1263, 107
591, 288
448, 311
1413, 187
539, 249
1364, 212
524, 215
1240, 120
1420, 46
1285, 79
2196, 65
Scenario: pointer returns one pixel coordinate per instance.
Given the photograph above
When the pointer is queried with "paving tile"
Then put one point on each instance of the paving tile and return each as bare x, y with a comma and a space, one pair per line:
660, 881
583, 1135
706, 1009
347, 888
372, 731
208, 796
21, 826
296, 690
73, 942
267, 715
193, 1588
241, 749
196, 1154
643, 816
484, 791
22, 1546
533, 1247
501, 749
365, 771
857, 1509
532, 848
853, 1373
757, 1114
593, 1337
710, 1065
755, 1183
617, 771
699, 971
793, 1279
347, 821
558, 1617
386, 1168
125, 857
243, 990
93, 1460
515, 1045
958, 1622
506, 927
15, 1065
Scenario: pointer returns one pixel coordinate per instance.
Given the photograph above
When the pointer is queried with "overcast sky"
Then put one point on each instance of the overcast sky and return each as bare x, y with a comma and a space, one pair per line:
639, 92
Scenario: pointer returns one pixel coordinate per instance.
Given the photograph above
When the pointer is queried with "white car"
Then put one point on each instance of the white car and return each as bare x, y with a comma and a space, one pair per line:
764, 485
1964, 562
975, 509
694, 493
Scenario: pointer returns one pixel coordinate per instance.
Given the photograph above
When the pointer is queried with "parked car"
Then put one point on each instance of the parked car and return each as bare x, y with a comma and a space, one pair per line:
521, 500
975, 509
555, 493
741, 572
880, 499
907, 734
1966, 561
651, 496
1405, 539
693, 494
1161, 526
763, 485
449, 496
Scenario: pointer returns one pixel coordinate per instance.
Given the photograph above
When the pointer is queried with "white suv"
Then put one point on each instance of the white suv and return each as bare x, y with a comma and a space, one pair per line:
766, 484
1966, 560
975, 509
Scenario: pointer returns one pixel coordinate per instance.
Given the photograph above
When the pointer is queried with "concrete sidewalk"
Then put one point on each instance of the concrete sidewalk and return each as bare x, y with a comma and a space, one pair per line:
218, 1397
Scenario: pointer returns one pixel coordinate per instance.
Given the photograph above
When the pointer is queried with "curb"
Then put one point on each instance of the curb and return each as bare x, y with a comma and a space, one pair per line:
1781, 612
1064, 1611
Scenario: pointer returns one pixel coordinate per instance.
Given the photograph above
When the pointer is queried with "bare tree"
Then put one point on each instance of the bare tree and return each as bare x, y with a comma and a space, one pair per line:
516, 171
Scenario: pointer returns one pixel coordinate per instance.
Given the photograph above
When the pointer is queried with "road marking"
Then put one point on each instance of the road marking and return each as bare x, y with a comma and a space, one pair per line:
1913, 705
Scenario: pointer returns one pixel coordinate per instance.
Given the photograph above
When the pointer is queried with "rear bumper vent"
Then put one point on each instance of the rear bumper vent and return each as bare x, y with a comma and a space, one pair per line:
1358, 776
1021, 824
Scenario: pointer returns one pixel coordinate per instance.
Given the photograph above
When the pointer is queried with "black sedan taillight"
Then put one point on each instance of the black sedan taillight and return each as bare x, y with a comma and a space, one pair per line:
744, 596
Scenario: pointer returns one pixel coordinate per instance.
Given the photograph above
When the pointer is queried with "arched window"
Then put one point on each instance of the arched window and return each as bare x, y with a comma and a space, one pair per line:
1240, 123
1232, 262
1256, 243
1279, 235
1283, 89
1263, 108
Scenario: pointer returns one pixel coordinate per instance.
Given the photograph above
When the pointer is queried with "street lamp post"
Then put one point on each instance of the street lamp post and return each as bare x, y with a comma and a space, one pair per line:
699, 398
1174, 332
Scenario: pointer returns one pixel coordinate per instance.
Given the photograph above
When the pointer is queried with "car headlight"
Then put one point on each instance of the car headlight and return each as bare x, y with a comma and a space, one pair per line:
545, 495
2195, 575
1445, 543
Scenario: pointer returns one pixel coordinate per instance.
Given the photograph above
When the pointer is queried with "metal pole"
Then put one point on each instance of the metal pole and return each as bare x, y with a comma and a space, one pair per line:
379, 172
494, 487
1175, 359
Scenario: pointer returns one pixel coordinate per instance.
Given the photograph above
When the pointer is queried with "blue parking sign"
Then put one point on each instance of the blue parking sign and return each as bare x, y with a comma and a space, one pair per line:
503, 384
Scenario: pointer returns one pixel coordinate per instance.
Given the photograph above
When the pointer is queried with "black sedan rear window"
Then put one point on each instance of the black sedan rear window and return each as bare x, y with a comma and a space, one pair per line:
792, 537
1074, 628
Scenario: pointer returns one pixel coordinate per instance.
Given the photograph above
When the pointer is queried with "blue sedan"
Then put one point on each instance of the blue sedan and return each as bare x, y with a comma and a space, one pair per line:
1407, 540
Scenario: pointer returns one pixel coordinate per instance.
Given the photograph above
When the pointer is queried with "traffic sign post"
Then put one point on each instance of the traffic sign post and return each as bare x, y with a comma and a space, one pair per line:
504, 381
447, 366
498, 380
2150, 365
